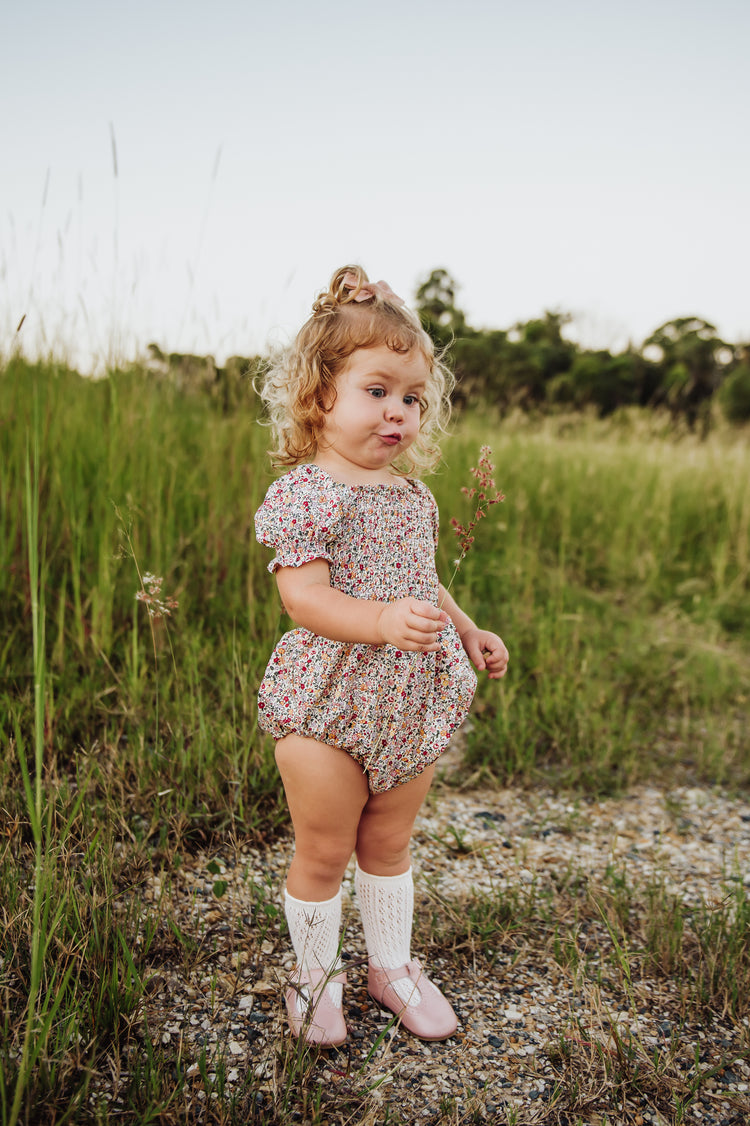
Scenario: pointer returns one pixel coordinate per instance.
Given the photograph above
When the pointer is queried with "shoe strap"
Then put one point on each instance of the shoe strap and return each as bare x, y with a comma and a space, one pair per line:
316, 977
385, 977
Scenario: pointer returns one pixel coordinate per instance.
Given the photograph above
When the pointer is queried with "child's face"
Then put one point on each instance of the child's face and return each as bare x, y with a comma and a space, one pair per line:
376, 414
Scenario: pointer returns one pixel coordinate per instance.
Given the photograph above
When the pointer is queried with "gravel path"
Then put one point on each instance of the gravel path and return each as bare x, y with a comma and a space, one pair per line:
552, 1028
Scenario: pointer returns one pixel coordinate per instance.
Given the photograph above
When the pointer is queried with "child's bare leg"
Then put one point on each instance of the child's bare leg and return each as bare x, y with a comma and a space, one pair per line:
326, 791
386, 826
385, 892
383, 879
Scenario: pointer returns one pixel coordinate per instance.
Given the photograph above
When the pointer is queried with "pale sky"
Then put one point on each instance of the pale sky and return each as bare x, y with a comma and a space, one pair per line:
586, 156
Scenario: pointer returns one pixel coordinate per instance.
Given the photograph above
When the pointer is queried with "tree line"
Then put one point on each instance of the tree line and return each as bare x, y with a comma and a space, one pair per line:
683, 366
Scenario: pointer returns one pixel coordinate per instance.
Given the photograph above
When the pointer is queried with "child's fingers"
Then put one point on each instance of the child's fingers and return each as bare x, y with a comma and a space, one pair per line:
429, 622
495, 650
428, 611
487, 651
426, 619
474, 653
413, 625
497, 658
426, 633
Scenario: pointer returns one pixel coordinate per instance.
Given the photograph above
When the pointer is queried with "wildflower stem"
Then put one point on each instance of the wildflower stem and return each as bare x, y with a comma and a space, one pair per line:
487, 494
157, 605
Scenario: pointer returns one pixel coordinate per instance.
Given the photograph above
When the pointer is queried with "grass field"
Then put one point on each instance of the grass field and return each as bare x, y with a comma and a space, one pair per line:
617, 571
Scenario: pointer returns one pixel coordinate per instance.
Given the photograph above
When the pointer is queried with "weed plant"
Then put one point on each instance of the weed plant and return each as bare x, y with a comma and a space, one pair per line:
616, 571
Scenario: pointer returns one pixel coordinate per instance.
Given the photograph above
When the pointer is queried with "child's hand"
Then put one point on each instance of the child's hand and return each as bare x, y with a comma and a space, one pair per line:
412, 625
486, 651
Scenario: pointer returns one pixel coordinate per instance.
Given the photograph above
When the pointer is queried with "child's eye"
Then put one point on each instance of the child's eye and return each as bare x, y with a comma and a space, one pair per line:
410, 400
376, 392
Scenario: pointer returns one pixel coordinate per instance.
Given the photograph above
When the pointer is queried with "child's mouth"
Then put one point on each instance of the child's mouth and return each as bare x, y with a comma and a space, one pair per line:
391, 439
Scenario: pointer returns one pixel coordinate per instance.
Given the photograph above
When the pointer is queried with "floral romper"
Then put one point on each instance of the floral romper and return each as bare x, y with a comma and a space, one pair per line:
392, 711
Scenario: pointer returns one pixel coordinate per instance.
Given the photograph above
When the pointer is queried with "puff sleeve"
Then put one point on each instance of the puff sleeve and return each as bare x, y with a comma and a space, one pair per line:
299, 518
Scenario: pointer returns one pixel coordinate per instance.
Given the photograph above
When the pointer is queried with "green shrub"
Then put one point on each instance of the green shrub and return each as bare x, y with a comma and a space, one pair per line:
735, 395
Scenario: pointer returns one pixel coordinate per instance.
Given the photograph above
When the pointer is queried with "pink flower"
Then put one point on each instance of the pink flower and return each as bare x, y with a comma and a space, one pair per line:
150, 594
486, 495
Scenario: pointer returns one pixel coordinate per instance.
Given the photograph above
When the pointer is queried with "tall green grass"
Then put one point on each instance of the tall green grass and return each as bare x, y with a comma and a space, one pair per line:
616, 570
132, 476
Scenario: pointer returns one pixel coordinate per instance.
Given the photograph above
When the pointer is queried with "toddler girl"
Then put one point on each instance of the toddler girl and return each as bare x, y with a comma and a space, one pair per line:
363, 696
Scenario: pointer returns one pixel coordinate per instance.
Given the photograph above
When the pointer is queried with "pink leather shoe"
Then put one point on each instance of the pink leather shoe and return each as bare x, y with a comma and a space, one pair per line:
313, 1014
432, 1018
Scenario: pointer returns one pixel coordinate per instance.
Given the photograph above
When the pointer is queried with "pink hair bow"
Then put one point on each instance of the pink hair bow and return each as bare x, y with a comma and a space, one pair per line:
372, 289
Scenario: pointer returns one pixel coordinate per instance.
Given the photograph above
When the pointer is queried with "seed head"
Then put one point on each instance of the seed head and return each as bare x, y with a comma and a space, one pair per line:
151, 596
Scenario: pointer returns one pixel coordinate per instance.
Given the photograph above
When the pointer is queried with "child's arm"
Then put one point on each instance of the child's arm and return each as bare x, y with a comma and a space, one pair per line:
311, 602
484, 649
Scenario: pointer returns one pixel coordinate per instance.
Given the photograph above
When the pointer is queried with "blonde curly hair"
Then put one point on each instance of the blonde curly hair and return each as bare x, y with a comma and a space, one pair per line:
298, 385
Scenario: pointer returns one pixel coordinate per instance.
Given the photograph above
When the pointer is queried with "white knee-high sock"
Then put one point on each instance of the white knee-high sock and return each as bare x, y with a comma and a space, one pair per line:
314, 931
386, 904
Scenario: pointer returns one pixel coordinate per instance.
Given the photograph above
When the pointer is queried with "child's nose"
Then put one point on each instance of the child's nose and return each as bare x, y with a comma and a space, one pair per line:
394, 408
